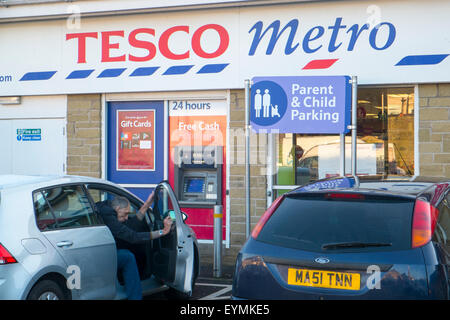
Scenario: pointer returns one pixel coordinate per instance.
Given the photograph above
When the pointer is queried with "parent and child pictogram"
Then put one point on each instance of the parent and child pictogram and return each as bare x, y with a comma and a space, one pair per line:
264, 102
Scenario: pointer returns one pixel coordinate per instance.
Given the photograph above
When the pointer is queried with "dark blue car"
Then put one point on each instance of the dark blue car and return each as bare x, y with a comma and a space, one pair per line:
351, 238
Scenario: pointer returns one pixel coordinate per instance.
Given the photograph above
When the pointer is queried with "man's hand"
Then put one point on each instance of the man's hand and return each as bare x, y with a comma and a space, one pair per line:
150, 198
145, 206
167, 225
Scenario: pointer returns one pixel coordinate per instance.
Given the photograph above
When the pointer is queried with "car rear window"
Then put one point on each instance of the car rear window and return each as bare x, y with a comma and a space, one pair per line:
310, 222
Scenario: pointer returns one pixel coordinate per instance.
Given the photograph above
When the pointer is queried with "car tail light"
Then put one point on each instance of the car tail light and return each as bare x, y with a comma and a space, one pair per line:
265, 217
347, 196
424, 221
5, 256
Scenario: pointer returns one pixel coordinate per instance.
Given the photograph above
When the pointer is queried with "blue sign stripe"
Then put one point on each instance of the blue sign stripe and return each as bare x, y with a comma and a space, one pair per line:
422, 60
177, 70
30, 76
213, 68
80, 74
144, 71
116, 72
111, 73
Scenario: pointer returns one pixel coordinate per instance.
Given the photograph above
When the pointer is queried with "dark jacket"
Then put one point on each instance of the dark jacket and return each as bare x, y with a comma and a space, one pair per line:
121, 233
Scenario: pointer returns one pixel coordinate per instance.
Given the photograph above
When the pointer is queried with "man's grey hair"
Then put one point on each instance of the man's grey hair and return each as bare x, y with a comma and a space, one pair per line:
120, 202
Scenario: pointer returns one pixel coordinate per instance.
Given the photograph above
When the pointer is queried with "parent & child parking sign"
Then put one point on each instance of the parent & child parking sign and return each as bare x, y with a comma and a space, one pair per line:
309, 105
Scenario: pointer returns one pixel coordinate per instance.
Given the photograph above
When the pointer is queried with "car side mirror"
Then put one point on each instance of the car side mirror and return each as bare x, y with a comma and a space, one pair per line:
184, 215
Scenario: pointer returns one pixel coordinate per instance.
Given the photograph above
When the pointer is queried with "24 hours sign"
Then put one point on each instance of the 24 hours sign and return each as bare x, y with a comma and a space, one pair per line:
135, 140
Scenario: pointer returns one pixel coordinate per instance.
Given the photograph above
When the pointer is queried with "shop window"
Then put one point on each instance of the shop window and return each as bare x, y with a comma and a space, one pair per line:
385, 142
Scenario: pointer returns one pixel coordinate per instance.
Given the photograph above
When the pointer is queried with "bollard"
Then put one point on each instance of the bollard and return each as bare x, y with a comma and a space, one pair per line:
218, 215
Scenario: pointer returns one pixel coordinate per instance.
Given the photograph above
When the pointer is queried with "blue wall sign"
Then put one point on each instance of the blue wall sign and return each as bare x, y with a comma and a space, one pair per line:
29, 134
319, 104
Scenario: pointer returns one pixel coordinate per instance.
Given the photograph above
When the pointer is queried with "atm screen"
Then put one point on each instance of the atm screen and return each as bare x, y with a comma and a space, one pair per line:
195, 185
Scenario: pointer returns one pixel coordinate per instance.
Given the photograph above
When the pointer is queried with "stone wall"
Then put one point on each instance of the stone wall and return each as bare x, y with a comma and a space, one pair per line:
258, 181
84, 135
434, 130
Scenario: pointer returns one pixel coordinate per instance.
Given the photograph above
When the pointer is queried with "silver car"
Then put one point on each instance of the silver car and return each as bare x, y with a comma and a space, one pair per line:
53, 244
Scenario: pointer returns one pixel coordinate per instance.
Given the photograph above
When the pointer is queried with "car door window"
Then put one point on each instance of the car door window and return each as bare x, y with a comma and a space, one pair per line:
163, 204
99, 195
45, 218
63, 207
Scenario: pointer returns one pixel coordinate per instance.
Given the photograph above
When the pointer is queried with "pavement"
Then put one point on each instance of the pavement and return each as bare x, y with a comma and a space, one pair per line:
210, 287
207, 286
206, 252
207, 273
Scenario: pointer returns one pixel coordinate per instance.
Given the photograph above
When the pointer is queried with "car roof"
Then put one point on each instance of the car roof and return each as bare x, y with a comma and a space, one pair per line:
36, 181
379, 184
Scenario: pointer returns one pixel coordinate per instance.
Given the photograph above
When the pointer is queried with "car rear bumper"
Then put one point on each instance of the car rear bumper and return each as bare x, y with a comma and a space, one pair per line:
400, 275
13, 281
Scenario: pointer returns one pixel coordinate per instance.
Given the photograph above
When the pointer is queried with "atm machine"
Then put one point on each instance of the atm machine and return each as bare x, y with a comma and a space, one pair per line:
198, 176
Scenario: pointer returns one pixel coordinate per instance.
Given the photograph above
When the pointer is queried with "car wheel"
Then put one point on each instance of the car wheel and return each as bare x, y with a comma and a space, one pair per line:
46, 290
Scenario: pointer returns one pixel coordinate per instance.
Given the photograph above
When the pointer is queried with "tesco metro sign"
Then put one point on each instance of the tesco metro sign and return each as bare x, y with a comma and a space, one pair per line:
108, 39
219, 49
311, 42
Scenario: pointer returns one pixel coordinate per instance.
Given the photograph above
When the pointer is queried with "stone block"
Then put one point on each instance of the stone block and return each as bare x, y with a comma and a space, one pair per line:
437, 137
426, 158
83, 150
73, 160
442, 158
424, 124
423, 102
446, 144
447, 171
444, 89
435, 170
95, 150
78, 117
441, 126
88, 133
428, 90
424, 135
430, 147
439, 102
434, 114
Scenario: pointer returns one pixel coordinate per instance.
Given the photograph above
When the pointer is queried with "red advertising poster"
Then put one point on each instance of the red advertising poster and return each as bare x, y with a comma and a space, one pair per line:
135, 140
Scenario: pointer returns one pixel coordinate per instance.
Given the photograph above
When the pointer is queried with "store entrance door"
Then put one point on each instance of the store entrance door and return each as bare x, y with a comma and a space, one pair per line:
136, 145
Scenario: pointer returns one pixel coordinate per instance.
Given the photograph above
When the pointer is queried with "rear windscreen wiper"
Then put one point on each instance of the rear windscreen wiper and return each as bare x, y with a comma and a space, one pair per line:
339, 245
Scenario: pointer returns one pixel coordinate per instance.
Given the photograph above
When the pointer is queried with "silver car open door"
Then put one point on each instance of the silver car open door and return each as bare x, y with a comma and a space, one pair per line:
173, 258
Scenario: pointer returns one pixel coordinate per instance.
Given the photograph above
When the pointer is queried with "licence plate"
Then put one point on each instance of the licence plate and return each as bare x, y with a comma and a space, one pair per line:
324, 279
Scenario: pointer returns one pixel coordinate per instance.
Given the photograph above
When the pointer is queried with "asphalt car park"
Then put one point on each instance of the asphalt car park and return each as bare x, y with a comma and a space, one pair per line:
204, 290
207, 287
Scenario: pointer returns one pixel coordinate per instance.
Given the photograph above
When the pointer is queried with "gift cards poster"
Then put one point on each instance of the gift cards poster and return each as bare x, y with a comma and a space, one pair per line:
136, 140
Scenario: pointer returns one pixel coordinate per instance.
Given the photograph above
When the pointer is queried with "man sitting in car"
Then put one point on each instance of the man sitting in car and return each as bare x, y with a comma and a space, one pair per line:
114, 214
